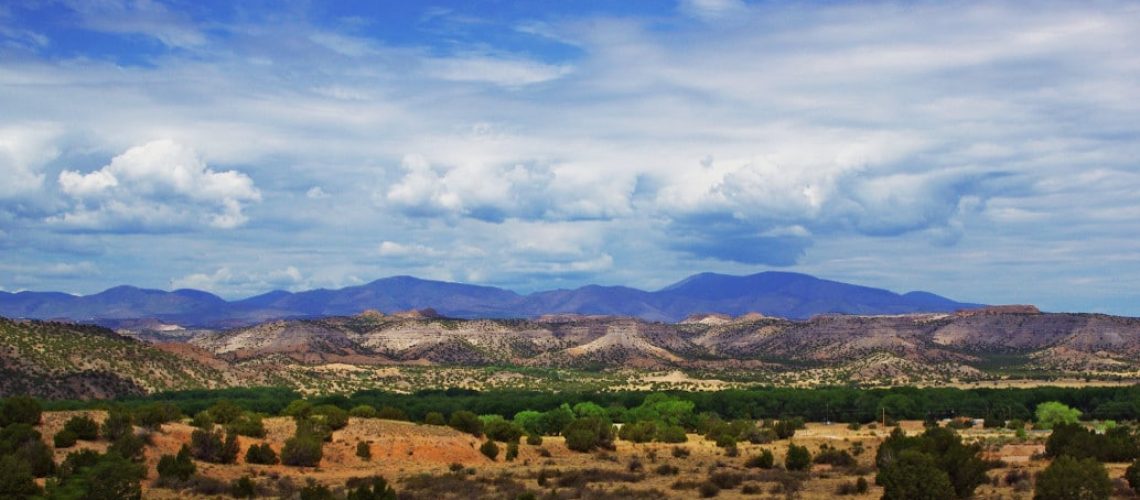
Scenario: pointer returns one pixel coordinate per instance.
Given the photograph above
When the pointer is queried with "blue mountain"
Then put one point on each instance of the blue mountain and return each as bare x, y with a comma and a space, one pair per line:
782, 294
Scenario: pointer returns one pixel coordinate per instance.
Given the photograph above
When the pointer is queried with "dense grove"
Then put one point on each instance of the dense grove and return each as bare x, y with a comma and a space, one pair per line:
843, 404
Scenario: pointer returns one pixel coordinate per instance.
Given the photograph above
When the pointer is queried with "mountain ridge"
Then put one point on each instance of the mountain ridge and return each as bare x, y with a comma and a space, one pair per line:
772, 293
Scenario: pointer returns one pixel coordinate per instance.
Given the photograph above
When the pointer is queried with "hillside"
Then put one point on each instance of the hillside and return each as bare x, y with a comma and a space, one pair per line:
55, 360
778, 294
420, 350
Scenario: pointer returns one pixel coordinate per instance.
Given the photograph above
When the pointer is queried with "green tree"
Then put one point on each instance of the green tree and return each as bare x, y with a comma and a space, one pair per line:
490, 449
302, 451
372, 488
465, 421
179, 467
798, 458
260, 454
585, 434
110, 477
362, 411
434, 418
20, 410
1132, 474
64, 439
118, 424
1052, 413
243, 488
1068, 478
912, 475
530, 421
84, 428
16, 480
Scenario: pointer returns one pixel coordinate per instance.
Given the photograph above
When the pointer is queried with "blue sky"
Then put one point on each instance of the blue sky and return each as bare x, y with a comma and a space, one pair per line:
985, 151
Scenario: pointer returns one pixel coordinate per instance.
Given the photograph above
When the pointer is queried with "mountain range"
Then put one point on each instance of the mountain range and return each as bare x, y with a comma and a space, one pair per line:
777, 294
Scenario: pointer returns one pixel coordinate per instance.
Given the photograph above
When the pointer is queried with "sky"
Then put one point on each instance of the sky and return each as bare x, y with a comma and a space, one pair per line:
986, 151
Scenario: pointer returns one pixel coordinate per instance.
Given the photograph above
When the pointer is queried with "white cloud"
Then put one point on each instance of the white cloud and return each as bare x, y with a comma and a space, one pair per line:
24, 149
145, 17
508, 72
316, 193
161, 184
227, 281
713, 9
400, 250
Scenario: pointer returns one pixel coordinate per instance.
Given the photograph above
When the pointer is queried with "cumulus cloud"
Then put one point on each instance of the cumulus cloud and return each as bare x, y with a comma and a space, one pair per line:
399, 250
227, 280
476, 190
158, 185
24, 149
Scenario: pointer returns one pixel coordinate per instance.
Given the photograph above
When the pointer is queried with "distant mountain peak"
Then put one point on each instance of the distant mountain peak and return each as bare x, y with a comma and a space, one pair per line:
771, 293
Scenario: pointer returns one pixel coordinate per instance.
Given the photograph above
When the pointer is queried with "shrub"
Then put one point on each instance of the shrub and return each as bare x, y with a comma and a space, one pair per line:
512, 451
489, 449
118, 424
667, 470
362, 411
202, 420
1132, 475
765, 460
249, 425
298, 408
64, 439
153, 415
465, 421
261, 454
364, 450
302, 451
20, 410
434, 418
210, 446
99, 477
834, 457
856, 487
177, 467
16, 479
502, 430
1068, 477
392, 413
334, 417
84, 428
315, 428
369, 488
585, 434
786, 428
225, 411
798, 458
680, 452
315, 491
708, 490
913, 474
638, 432
726, 480
129, 446
672, 434
243, 488
534, 439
